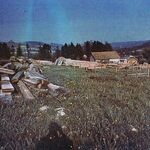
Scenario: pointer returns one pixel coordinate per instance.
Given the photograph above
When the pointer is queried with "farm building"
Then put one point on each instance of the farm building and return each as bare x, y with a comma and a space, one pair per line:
104, 57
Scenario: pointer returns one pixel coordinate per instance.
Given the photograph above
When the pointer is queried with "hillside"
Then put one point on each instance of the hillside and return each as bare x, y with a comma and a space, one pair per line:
128, 45
104, 110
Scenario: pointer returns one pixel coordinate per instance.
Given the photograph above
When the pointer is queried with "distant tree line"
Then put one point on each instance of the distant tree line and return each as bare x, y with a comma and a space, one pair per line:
4, 51
77, 51
73, 51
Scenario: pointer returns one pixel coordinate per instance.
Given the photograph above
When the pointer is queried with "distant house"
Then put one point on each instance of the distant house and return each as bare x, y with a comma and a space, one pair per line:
104, 57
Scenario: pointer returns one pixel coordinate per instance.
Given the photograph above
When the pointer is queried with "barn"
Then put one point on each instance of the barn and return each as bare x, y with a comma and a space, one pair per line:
104, 57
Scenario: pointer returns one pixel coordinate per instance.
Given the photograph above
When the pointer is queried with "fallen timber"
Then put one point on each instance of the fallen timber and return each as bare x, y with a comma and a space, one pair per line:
17, 76
6, 71
6, 98
26, 75
25, 91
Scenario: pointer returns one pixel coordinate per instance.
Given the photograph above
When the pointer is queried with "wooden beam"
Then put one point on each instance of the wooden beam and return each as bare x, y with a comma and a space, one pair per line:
5, 97
32, 81
5, 78
7, 87
6, 71
25, 91
17, 77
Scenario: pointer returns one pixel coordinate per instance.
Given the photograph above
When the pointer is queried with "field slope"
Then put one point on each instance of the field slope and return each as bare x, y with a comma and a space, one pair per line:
104, 110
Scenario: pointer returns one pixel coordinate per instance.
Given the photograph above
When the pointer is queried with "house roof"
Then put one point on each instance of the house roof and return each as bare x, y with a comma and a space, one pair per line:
105, 55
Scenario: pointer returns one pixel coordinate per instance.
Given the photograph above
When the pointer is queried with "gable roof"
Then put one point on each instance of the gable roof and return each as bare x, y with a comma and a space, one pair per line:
105, 55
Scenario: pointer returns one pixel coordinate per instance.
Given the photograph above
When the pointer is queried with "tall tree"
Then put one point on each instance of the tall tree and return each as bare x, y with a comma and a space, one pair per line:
65, 51
28, 50
57, 53
19, 51
45, 52
79, 52
4, 51
87, 48
146, 54
12, 50
108, 46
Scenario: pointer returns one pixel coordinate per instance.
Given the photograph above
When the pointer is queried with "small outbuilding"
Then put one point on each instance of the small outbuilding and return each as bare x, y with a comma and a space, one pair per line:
104, 57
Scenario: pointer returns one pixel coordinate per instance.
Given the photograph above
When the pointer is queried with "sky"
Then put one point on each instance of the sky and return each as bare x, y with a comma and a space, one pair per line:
65, 21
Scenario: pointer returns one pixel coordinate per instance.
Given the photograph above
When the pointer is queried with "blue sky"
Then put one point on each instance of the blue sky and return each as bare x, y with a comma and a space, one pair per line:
63, 21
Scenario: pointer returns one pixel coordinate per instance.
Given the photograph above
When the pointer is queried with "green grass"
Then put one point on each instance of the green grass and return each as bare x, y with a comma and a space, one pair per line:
102, 109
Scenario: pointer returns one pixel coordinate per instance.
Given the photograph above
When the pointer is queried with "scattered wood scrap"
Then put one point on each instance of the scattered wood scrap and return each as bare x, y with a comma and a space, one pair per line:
5, 97
6, 71
25, 91
5, 78
17, 77
7, 87
23, 75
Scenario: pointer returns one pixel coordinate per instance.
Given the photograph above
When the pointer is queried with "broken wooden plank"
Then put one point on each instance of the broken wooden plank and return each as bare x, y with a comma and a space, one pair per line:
25, 91
34, 75
7, 87
5, 78
55, 89
17, 76
6, 71
5, 98
32, 81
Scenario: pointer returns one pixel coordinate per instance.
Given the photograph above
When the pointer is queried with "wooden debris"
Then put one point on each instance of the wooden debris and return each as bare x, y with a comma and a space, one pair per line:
25, 91
57, 89
5, 78
7, 87
34, 75
53, 87
17, 76
5, 97
6, 71
34, 82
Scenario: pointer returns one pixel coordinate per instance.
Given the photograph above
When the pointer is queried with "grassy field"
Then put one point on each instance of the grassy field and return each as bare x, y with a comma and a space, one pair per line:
105, 110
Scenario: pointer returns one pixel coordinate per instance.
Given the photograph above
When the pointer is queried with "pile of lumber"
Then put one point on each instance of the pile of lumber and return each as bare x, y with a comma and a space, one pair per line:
24, 75
6, 88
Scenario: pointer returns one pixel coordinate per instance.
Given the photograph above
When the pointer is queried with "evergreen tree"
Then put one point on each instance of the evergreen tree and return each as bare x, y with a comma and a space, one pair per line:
28, 50
12, 50
79, 52
45, 52
19, 51
57, 53
108, 47
4, 51
65, 51
87, 48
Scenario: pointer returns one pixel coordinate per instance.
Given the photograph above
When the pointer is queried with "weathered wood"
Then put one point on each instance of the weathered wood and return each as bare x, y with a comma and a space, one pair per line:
32, 81
5, 97
6, 71
7, 87
5, 78
57, 89
34, 75
17, 76
25, 91
52, 87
